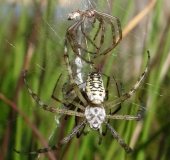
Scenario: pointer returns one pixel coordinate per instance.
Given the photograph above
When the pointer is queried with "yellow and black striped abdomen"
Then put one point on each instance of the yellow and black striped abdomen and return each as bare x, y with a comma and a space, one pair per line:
94, 88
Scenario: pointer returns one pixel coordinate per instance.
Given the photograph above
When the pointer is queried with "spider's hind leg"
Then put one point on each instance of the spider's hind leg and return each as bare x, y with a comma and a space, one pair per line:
82, 132
58, 145
118, 138
141, 113
100, 136
77, 121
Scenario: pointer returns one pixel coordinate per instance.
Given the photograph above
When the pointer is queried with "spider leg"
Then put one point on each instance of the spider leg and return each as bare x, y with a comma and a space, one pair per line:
122, 89
115, 40
91, 41
60, 144
68, 106
73, 40
72, 30
141, 109
70, 35
82, 130
52, 96
70, 100
102, 36
66, 98
124, 97
118, 91
101, 25
74, 85
139, 116
72, 107
75, 50
108, 19
88, 38
128, 117
100, 136
97, 32
107, 97
118, 138
47, 107
75, 47
113, 45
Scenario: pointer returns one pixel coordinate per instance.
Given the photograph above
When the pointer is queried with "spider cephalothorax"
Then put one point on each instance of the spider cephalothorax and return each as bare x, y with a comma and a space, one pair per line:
95, 116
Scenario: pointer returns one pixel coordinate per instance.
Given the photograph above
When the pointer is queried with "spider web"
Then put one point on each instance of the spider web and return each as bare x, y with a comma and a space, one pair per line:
128, 64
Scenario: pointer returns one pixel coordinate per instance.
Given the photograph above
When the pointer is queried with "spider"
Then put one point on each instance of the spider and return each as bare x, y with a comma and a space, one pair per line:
93, 107
91, 15
70, 93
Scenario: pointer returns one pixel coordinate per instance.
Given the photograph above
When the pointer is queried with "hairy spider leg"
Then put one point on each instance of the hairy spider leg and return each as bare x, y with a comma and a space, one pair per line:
60, 144
109, 105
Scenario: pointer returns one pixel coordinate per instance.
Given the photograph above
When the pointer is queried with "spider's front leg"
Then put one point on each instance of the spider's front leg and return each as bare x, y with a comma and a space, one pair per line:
60, 144
124, 97
138, 117
47, 107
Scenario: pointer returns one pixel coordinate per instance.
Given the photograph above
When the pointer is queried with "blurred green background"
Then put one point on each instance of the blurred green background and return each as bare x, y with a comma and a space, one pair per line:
32, 37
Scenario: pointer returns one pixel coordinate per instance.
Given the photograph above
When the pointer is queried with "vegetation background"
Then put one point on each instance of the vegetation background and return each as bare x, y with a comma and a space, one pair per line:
31, 37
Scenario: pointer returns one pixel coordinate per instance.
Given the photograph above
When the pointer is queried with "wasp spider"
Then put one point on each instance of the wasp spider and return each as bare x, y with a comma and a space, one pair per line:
91, 15
93, 107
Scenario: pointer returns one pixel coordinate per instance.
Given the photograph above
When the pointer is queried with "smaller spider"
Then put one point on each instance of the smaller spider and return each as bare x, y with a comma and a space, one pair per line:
93, 107
91, 15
